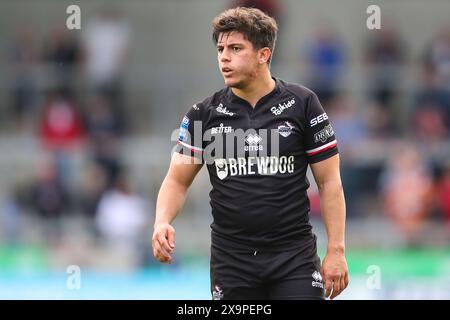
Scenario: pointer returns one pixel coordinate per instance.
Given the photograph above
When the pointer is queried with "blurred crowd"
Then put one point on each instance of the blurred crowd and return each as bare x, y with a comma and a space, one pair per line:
68, 93
394, 143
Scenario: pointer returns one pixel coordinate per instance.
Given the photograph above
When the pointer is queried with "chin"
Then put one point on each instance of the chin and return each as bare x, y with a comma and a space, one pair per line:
232, 83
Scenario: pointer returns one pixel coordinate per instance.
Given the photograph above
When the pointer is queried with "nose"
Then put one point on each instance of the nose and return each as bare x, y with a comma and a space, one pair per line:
224, 56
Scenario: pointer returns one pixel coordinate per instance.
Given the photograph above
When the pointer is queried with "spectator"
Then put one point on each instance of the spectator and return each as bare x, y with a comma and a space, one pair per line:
429, 124
379, 121
348, 125
10, 216
106, 46
63, 54
105, 131
25, 90
94, 184
407, 192
352, 132
433, 97
61, 132
430, 93
437, 58
49, 199
385, 57
122, 220
325, 58
442, 192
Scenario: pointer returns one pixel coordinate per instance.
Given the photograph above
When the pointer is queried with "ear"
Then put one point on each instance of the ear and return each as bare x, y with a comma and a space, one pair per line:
264, 55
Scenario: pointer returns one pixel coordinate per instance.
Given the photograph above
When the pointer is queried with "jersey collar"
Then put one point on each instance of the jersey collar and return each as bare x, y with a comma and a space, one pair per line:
234, 98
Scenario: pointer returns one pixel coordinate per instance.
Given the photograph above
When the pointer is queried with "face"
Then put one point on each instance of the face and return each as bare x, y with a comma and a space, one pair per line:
239, 62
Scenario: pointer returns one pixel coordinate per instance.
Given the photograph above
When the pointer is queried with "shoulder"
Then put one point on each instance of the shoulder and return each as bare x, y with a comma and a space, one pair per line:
301, 92
212, 101
200, 109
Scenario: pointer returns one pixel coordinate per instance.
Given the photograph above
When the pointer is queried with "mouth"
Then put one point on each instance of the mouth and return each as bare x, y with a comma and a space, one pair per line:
226, 71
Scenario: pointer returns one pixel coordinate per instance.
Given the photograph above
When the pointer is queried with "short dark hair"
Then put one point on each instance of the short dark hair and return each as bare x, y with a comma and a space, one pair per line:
256, 26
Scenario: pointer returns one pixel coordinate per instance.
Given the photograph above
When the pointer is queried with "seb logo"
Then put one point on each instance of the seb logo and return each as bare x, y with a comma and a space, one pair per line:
318, 119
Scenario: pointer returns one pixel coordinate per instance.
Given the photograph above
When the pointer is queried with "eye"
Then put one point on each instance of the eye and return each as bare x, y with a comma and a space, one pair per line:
236, 49
220, 50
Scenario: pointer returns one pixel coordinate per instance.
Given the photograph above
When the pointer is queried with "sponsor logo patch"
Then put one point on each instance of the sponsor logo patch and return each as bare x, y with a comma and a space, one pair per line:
221, 109
279, 109
254, 165
324, 134
217, 293
318, 119
221, 168
221, 129
253, 142
285, 129
184, 129
317, 280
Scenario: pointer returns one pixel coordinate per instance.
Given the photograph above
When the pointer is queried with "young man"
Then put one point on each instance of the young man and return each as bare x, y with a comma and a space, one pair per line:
262, 245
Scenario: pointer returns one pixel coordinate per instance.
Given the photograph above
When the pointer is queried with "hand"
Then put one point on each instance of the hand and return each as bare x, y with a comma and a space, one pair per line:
163, 242
335, 273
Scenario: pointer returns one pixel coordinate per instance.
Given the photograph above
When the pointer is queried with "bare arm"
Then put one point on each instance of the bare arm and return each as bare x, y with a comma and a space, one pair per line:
332, 202
171, 198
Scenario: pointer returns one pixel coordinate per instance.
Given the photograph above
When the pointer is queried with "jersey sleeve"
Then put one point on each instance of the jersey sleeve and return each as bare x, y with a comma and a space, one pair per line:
320, 141
190, 137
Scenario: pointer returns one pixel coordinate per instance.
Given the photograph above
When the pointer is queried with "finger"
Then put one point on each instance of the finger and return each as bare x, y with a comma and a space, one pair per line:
160, 254
164, 254
154, 248
171, 238
328, 287
346, 279
166, 260
343, 285
164, 243
157, 251
336, 287
163, 259
157, 244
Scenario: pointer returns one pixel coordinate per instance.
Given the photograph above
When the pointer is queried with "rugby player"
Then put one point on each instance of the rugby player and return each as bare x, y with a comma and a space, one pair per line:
257, 137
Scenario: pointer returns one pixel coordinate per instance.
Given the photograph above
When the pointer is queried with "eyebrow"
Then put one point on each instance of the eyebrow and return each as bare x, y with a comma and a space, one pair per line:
231, 44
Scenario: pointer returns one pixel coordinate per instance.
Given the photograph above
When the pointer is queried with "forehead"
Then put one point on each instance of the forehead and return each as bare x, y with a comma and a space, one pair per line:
231, 37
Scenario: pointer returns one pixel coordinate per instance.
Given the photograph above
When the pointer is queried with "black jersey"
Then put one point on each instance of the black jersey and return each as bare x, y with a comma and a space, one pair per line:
257, 160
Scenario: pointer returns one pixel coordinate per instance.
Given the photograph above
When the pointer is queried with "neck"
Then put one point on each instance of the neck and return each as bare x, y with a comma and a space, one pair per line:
263, 85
